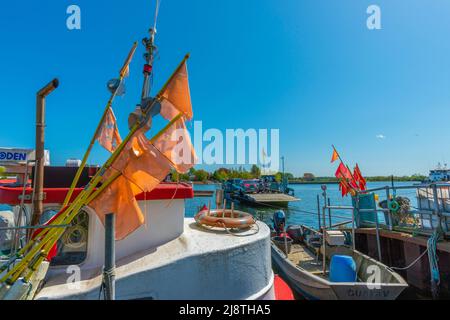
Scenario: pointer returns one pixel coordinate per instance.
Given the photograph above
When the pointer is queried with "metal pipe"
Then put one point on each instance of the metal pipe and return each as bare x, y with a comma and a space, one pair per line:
329, 212
318, 211
353, 221
341, 223
340, 207
109, 277
436, 200
22, 212
353, 231
388, 196
324, 232
378, 236
39, 152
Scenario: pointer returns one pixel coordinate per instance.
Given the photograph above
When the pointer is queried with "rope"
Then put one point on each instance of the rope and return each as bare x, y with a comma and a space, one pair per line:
222, 225
107, 276
300, 210
242, 235
412, 263
433, 260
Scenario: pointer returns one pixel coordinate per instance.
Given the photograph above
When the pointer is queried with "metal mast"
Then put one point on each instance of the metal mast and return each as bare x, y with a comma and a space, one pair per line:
150, 48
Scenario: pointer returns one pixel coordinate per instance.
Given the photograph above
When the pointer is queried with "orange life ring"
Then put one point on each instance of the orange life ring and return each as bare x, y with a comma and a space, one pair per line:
219, 218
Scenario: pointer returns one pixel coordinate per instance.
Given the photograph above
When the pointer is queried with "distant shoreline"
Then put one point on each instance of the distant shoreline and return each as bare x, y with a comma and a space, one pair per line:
210, 182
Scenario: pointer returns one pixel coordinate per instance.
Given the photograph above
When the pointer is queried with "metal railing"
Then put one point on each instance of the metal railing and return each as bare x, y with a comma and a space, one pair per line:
432, 211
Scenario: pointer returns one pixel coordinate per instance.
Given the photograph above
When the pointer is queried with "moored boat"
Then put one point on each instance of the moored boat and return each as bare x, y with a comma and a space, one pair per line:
264, 192
346, 275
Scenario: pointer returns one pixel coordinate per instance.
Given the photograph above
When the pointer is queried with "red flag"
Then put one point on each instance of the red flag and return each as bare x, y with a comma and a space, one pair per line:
343, 186
359, 178
342, 172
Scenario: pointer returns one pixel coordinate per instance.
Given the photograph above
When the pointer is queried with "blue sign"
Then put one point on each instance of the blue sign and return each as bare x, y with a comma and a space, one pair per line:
13, 156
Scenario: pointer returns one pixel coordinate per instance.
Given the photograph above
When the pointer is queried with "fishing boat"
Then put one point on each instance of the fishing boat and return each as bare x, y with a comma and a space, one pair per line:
346, 274
170, 258
77, 248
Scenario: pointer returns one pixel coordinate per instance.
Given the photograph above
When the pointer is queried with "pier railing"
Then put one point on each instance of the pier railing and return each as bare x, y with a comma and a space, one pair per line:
431, 212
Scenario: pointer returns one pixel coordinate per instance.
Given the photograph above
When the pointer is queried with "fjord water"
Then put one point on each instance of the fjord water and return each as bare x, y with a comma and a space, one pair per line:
305, 210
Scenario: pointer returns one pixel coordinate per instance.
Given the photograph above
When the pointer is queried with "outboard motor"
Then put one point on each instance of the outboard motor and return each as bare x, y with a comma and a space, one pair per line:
279, 222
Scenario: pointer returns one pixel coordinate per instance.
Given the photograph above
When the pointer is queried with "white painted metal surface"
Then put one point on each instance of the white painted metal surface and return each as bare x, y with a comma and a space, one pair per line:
199, 264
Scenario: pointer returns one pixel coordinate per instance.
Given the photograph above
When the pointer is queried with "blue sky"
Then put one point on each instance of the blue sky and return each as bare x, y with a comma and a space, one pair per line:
310, 68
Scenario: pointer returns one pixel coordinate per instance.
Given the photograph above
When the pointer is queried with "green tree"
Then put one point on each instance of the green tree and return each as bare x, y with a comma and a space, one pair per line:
201, 175
278, 176
255, 171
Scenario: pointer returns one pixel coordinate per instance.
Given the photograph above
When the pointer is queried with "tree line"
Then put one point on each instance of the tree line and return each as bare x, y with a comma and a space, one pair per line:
223, 174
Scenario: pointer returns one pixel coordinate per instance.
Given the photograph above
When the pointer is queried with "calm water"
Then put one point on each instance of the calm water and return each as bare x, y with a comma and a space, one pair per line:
305, 210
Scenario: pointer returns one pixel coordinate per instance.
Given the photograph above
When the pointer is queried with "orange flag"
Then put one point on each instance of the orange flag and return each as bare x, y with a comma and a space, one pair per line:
176, 97
144, 163
175, 144
142, 168
108, 135
335, 156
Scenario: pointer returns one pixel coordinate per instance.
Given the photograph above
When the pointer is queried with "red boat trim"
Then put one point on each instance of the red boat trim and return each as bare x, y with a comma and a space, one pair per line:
282, 290
165, 191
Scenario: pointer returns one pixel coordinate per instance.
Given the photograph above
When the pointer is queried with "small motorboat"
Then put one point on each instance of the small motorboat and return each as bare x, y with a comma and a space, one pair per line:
346, 274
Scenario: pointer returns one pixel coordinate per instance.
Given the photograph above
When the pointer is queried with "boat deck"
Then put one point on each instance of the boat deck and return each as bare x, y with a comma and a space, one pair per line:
305, 259
189, 267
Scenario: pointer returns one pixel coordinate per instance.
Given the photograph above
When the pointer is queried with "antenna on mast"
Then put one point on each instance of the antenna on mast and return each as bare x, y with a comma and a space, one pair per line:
150, 48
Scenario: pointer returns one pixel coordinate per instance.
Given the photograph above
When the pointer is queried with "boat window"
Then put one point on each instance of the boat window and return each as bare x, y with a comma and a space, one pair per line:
72, 246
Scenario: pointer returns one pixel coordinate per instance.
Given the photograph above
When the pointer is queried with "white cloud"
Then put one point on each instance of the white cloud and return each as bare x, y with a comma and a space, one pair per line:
380, 136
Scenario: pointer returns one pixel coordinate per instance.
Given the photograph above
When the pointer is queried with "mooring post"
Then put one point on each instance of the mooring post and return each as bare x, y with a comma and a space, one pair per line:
109, 277
219, 197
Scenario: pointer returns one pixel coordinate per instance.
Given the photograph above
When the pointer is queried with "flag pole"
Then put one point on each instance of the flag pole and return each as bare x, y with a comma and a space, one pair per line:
122, 74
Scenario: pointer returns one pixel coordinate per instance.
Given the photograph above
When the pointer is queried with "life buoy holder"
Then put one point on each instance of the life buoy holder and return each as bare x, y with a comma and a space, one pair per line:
230, 219
393, 206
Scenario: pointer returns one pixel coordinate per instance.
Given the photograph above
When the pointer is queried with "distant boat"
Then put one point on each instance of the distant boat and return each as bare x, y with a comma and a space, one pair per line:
259, 192
302, 268
439, 174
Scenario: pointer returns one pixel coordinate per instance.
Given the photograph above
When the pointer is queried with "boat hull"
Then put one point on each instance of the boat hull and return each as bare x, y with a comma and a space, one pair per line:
313, 287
